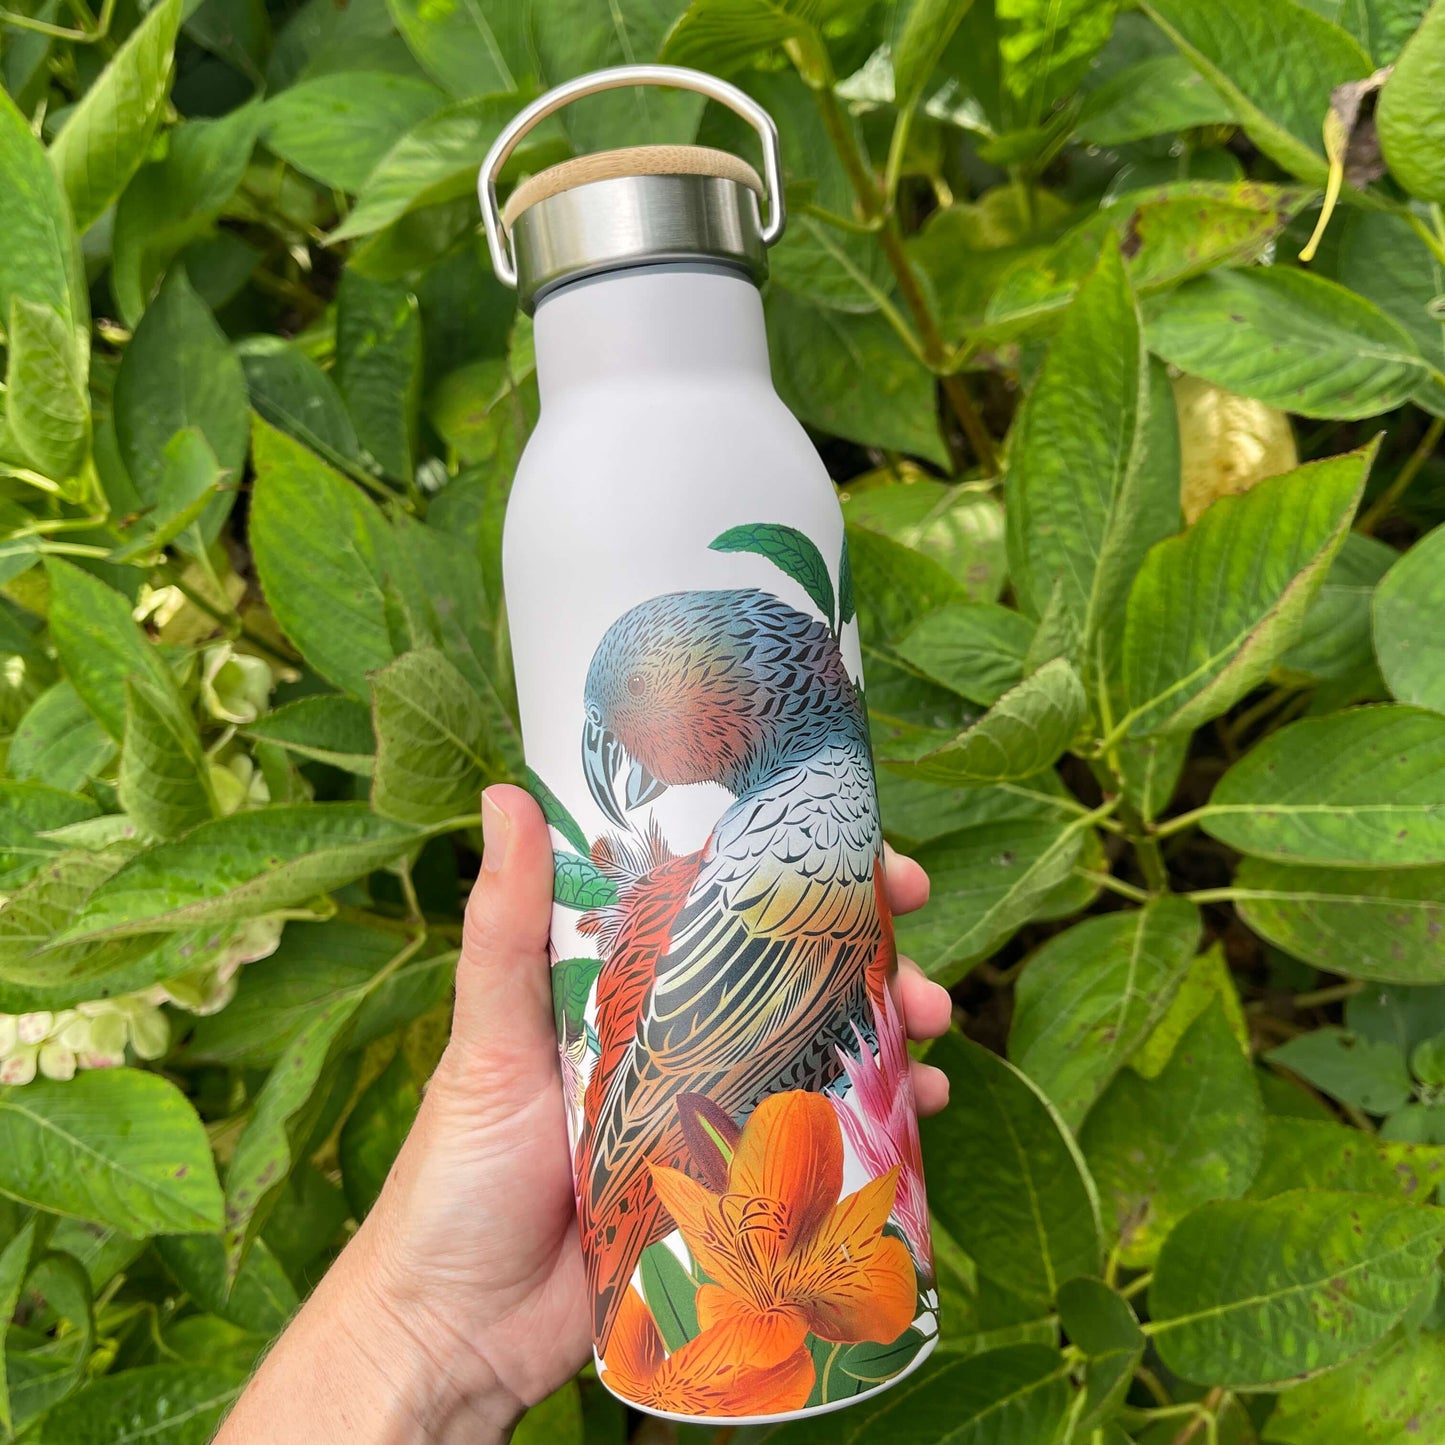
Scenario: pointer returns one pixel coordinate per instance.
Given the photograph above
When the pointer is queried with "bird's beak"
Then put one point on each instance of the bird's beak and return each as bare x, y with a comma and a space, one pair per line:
642, 787
602, 756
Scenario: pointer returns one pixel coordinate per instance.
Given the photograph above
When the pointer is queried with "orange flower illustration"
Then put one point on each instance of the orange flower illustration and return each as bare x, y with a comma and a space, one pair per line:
782, 1247
739, 1367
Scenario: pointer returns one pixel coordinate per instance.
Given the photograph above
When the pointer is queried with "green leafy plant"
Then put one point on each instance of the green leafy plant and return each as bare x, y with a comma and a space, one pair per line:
1145, 522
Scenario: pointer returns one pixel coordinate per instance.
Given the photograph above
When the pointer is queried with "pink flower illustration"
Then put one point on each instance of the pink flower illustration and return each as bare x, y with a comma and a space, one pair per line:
880, 1122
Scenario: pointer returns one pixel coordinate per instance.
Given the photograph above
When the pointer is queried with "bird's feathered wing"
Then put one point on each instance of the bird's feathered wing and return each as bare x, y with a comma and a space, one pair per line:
763, 970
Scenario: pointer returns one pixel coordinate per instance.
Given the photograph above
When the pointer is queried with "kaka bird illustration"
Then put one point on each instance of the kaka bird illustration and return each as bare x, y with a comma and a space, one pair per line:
733, 972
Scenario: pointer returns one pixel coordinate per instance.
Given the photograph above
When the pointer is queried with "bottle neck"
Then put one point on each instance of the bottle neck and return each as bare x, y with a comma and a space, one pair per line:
665, 322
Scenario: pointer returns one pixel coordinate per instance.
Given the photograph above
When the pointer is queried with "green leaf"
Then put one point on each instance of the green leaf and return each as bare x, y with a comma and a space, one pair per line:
1274, 63
1390, 1396
210, 1341
987, 881
1410, 116
957, 529
1046, 45
975, 649
558, 1419
579, 883
1319, 1154
1167, 233
1334, 641
329, 728
435, 161
326, 560
1356, 1071
47, 396
1369, 923
163, 1404
1091, 995
1159, 1147
1161, 94
429, 728
924, 32
1381, 256
100, 646
118, 1146
29, 810
1407, 637
671, 1295
105, 138
179, 371
1254, 1294
1006, 1179
378, 367
1024, 732
190, 480
286, 1110
556, 813
724, 35
852, 376
1211, 610
39, 255
261, 1298
336, 128
1288, 338
1101, 1324
467, 47
56, 1362
242, 866
291, 392
1084, 502
162, 782
792, 552
1018, 1395
1364, 787
175, 200
374, 1132
572, 980
572, 37
36, 975
14, 1266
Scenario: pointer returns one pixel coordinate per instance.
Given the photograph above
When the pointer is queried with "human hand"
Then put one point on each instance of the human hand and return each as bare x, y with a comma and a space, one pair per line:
461, 1301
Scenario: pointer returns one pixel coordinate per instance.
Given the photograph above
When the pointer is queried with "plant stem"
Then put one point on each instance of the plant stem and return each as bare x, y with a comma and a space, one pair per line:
1138, 1286
816, 70
1207, 1407
1336, 993
1218, 895
1384, 504
1114, 885
1178, 824
1151, 1382
1146, 847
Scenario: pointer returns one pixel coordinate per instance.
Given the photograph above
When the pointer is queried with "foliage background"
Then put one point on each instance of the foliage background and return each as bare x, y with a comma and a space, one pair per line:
1178, 775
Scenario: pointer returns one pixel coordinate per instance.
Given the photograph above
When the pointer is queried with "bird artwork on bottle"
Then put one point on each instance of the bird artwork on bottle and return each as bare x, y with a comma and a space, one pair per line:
757, 964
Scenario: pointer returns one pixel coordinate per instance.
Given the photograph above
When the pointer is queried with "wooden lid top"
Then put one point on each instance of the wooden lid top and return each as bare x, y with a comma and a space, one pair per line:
631, 161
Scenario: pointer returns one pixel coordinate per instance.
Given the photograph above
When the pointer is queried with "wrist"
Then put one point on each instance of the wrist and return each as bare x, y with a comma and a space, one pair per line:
441, 1385
363, 1365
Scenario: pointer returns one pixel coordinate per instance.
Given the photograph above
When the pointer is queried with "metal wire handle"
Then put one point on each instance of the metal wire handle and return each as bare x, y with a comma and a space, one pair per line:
674, 76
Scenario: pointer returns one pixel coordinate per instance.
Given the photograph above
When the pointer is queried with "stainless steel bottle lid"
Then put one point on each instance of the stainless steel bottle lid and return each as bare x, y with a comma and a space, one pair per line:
646, 205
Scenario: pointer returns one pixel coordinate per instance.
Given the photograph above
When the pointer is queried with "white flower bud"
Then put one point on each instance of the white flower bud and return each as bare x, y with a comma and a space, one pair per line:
150, 1033
20, 1066
57, 1062
235, 686
35, 1027
9, 1033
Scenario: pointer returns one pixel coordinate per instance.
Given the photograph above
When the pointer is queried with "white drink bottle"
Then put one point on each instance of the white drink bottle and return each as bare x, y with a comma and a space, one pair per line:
745, 1149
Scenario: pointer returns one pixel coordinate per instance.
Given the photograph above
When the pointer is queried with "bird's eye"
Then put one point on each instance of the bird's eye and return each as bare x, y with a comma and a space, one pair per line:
637, 684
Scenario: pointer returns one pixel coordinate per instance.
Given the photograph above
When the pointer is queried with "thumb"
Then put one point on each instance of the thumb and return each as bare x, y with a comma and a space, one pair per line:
502, 1028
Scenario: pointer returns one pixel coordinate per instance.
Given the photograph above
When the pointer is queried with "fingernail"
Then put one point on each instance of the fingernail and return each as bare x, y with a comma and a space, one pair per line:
496, 835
